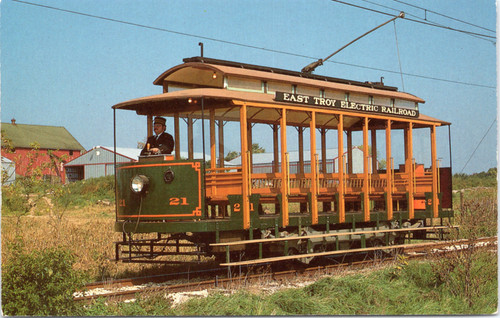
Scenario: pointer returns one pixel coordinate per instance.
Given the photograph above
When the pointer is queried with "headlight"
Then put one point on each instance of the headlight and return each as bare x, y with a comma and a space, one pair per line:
139, 183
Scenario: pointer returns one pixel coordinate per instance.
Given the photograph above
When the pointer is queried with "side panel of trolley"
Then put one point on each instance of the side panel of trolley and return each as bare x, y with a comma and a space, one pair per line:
174, 190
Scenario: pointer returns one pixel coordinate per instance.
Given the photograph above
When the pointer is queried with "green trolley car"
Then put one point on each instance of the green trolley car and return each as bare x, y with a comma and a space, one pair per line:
286, 207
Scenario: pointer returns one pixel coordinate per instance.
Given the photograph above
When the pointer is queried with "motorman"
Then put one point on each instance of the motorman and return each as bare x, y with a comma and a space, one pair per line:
161, 142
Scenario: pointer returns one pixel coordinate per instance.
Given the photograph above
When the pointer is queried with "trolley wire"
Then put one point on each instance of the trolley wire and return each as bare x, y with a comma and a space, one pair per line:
446, 16
478, 145
425, 19
197, 36
426, 10
418, 21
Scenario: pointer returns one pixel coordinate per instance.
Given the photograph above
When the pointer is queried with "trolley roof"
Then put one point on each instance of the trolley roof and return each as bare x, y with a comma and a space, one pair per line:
194, 66
207, 78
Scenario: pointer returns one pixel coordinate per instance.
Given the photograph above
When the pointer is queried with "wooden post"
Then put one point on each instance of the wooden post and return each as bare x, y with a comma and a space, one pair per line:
275, 149
177, 136
190, 137
244, 166
366, 185
149, 125
340, 135
373, 134
349, 152
388, 169
323, 150
314, 175
406, 144
221, 143
409, 165
435, 198
300, 130
250, 145
212, 140
327, 206
301, 149
284, 172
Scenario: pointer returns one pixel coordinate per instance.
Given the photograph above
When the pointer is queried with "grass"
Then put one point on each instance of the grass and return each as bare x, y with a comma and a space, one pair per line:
416, 290
87, 232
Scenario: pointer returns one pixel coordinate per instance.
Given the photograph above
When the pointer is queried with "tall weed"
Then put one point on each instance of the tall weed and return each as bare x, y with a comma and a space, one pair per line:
40, 283
468, 272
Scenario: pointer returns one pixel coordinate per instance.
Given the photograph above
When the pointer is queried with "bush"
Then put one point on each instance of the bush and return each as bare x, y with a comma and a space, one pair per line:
14, 202
40, 283
85, 192
24, 195
481, 179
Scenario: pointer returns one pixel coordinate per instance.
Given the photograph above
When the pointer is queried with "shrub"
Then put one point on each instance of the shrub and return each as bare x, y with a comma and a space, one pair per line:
14, 202
481, 179
85, 192
40, 283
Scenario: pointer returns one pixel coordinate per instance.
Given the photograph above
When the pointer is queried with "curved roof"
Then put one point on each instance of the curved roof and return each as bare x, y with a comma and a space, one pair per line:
143, 104
195, 65
209, 93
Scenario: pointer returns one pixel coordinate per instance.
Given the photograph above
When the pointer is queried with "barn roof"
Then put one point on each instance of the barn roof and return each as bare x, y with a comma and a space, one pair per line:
48, 137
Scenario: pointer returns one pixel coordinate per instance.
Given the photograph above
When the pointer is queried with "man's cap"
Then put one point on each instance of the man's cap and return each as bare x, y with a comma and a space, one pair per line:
160, 120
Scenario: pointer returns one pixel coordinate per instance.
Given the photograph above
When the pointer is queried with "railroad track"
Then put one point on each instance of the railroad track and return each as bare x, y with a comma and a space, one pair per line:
126, 289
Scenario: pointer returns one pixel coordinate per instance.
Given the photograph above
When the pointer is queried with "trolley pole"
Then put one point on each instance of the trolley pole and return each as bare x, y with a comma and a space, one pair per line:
311, 67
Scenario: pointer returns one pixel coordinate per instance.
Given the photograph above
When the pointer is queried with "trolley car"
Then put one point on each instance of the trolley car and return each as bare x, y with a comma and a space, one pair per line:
221, 210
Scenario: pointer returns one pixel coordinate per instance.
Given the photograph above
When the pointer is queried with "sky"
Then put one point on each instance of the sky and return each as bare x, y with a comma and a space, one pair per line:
66, 63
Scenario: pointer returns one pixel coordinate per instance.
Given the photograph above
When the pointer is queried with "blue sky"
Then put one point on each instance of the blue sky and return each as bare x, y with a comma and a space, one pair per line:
65, 69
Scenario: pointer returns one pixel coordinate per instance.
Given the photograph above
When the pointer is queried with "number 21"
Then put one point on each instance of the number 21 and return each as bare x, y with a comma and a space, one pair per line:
178, 201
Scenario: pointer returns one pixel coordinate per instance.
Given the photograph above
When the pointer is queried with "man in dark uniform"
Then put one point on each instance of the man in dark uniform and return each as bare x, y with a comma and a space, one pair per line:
162, 142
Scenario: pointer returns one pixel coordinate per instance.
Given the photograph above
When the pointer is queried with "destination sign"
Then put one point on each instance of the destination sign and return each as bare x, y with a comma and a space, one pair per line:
342, 104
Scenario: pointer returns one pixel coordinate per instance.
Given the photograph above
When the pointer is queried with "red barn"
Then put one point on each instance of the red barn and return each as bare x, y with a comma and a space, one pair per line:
45, 147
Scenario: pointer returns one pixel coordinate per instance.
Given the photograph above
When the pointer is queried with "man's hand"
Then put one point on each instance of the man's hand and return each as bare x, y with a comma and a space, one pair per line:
155, 150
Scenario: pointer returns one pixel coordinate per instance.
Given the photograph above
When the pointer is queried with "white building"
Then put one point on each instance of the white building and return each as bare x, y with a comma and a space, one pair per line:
8, 171
99, 162
263, 162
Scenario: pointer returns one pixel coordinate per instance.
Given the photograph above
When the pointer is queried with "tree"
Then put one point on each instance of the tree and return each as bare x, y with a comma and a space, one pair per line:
234, 154
257, 149
231, 155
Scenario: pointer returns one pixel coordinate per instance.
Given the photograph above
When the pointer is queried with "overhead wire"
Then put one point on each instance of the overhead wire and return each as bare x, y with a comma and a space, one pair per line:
243, 44
494, 120
417, 21
425, 19
443, 15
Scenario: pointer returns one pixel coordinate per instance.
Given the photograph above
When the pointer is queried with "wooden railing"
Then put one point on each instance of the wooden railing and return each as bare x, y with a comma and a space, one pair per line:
220, 182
